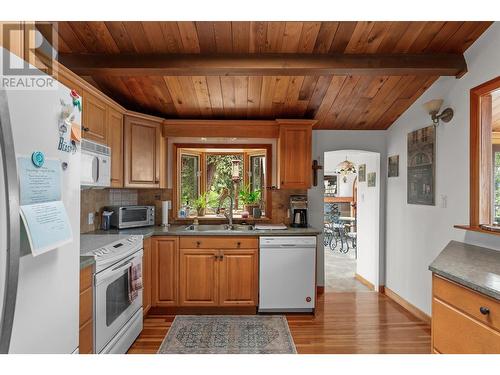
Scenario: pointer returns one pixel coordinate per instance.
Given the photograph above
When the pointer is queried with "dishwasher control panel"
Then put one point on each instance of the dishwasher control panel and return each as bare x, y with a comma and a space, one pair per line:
288, 241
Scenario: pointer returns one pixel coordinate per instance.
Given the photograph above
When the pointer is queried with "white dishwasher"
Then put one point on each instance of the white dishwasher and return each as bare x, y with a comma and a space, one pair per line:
287, 274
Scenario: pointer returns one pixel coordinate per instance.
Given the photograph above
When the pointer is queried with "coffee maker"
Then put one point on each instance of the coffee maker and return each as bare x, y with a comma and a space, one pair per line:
298, 211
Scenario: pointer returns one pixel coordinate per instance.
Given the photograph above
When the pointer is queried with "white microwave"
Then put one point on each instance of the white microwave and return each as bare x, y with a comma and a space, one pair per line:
95, 165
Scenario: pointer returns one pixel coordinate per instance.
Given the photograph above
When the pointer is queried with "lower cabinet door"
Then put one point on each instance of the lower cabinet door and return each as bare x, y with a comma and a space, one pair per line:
238, 277
198, 277
165, 268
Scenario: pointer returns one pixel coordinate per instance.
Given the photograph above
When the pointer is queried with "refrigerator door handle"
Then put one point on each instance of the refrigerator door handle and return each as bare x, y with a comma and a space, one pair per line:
13, 225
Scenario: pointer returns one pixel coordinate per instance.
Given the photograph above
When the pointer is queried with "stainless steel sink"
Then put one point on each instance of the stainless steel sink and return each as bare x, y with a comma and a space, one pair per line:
219, 228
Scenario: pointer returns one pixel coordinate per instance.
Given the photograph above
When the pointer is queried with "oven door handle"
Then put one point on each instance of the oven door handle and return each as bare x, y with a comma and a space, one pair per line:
121, 268
107, 274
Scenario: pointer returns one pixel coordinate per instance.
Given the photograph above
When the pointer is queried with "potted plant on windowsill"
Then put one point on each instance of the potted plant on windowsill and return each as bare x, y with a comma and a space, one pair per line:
250, 198
200, 204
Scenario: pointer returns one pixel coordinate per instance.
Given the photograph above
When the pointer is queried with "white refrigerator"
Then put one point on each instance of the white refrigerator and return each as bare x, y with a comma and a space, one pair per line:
39, 295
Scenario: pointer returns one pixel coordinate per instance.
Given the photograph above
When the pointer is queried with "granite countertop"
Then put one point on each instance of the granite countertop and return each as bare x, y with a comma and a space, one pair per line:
179, 230
86, 261
475, 267
94, 240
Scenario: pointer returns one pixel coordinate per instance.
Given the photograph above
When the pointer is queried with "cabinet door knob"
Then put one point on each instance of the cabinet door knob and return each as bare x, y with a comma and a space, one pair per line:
484, 310
85, 129
238, 243
198, 243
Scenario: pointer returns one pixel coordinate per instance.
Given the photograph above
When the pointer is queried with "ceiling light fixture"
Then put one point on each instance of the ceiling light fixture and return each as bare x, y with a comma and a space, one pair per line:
433, 106
344, 168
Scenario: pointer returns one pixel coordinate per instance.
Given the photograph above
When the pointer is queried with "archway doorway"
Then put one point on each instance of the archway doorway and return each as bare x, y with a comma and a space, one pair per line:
351, 220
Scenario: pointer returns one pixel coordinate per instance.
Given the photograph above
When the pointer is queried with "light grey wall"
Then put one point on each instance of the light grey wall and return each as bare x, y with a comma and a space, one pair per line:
333, 140
416, 234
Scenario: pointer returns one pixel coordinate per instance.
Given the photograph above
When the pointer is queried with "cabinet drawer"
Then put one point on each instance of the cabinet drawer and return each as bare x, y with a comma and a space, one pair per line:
467, 301
228, 242
85, 278
86, 339
456, 333
86, 306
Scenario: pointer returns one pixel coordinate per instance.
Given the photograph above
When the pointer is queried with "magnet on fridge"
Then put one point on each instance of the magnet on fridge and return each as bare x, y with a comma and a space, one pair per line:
64, 165
76, 99
37, 158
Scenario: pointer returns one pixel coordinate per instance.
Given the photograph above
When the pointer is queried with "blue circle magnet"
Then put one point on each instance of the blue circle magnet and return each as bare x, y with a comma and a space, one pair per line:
38, 158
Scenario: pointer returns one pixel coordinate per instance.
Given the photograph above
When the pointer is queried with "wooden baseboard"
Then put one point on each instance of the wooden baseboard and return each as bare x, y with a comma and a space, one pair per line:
363, 281
407, 305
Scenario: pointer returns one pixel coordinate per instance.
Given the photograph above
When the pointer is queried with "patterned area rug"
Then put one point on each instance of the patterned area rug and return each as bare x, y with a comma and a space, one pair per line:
228, 334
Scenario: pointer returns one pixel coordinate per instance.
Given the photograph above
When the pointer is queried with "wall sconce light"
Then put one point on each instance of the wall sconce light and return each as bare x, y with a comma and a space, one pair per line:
432, 107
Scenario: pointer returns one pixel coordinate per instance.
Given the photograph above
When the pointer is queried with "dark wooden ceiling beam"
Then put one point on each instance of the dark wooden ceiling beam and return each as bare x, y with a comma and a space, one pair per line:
264, 65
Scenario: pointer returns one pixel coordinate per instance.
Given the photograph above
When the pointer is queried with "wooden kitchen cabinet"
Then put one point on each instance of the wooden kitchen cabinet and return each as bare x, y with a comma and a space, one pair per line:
86, 332
143, 153
218, 271
463, 321
238, 277
147, 285
115, 142
294, 154
94, 118
199, 271
165, 271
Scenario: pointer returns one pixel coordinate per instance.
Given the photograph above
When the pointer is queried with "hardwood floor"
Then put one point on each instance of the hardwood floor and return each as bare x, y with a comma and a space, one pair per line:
350, 322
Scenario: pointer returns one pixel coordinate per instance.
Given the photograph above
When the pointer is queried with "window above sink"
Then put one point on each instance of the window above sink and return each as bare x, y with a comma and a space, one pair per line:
203, 173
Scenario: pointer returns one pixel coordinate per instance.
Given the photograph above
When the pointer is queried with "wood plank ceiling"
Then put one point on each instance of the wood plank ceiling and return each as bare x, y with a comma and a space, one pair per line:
336, 101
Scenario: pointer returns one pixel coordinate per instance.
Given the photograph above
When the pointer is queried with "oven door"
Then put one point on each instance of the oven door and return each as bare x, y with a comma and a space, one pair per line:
112, 306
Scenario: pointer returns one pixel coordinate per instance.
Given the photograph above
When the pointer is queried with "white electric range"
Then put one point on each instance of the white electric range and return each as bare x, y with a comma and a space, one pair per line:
117, 320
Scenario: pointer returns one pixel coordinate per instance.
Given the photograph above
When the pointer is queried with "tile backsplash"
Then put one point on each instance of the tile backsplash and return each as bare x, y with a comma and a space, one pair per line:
123, 197
94, 200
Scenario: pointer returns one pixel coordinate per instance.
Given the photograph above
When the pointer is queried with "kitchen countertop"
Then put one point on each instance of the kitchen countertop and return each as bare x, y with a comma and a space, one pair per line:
86, 261
178, 230
99, 238
475, 267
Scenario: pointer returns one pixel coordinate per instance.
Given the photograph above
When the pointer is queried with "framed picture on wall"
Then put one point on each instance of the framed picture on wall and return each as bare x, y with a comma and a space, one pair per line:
372, 179
362, 173
421, 166
393, 166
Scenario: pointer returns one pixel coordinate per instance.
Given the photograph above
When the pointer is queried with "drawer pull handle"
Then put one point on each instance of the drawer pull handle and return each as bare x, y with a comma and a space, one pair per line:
484, 310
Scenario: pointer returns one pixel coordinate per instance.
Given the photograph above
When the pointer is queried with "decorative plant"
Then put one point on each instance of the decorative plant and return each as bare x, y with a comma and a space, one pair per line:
200, 204
248, 196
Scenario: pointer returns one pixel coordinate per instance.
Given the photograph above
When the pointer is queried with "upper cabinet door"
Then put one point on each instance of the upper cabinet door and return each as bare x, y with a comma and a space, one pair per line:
94, 118
295, 156
142, 153
115, 141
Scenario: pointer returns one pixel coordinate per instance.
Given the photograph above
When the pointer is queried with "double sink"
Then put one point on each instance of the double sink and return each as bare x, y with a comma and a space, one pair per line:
235, 228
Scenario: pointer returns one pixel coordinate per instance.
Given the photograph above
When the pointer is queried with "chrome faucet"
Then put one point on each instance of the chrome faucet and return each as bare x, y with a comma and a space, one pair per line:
226, 193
